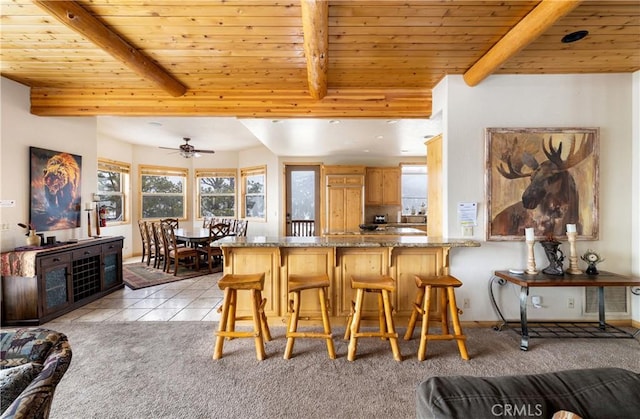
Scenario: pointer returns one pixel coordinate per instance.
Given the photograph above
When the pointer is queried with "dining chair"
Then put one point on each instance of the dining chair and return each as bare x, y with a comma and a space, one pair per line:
241, 228
152, 247
144, 238
177, 252
175, 223
147, 242
161, 246
216, 232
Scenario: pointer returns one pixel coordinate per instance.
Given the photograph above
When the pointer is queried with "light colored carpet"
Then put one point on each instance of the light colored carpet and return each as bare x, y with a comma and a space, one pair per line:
165, 370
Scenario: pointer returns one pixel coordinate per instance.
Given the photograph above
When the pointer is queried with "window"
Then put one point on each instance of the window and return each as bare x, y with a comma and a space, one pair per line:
414, 189
216, 193
163, 192
113, 190
254, 192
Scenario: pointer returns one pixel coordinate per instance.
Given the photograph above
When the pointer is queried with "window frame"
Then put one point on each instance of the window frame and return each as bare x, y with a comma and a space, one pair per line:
212, 173
107, 165
149, 170
402, 196
245, 172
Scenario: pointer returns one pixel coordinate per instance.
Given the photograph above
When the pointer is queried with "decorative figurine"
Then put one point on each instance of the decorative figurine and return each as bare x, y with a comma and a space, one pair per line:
555, 256
592, 258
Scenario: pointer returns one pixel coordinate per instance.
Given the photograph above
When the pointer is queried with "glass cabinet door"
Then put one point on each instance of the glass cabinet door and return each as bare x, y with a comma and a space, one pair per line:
112, 265
111, 276
55, 274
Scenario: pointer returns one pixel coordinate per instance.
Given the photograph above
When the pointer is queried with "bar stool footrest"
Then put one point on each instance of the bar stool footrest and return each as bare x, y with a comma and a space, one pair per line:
309, 335
238, 334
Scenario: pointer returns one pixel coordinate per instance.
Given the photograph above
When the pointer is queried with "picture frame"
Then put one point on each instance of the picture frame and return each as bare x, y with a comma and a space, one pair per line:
543, 178
55, 189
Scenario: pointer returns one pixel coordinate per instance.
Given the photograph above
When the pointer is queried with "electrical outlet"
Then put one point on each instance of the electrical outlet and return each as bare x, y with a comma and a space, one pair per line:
466, 303
571, 302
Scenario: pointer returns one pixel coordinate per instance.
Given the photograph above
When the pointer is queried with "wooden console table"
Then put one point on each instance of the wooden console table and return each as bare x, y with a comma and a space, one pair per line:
40, 285
564, 329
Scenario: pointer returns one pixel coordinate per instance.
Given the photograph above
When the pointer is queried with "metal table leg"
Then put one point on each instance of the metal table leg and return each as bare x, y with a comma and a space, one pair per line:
524, 339
500, 282
601, 319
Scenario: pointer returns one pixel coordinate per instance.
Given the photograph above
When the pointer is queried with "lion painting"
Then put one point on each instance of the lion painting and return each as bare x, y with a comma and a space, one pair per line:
61, 181
55, 189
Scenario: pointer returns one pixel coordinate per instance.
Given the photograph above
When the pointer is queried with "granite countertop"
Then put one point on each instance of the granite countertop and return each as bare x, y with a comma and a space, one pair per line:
383, 231
347, 241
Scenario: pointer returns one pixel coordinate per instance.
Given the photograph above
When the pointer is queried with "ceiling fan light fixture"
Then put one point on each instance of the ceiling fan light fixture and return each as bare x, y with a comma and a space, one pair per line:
574, 36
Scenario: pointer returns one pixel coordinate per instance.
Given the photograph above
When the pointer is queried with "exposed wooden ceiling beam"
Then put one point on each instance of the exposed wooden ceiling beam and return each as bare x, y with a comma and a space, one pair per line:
541, 18
267, 103
78, 19
315, 27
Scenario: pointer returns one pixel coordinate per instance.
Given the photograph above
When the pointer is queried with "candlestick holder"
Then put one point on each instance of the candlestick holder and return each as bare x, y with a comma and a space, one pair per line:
97, 219
531, 260
88, 221
573, 256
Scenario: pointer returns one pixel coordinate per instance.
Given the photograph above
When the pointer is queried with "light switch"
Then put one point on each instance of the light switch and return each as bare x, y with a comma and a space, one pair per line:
8, 203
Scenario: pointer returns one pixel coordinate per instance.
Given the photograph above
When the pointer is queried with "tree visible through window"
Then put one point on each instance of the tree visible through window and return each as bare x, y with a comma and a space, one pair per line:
216, 193
254, 192
113, 187
163, 192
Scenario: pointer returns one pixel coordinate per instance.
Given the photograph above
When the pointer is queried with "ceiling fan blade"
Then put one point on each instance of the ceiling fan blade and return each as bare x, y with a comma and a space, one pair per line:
204, 151
169, 148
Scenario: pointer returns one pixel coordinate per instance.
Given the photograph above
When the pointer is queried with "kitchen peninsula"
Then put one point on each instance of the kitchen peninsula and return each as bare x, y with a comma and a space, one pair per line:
338, 257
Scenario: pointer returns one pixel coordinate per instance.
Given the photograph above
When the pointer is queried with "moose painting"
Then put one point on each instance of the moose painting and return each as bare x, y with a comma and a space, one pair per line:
542, 178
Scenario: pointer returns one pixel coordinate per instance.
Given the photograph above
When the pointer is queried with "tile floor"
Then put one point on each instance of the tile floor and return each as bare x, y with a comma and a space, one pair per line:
194, 299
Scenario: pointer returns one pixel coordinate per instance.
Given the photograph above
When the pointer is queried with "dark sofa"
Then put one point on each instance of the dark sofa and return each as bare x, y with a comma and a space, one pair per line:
605, 393
33, 361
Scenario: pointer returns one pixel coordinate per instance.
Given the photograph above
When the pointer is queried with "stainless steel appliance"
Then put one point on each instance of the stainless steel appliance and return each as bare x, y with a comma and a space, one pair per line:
380, 219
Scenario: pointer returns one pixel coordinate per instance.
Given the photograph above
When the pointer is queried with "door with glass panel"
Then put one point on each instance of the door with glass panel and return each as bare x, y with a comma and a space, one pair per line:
302, 200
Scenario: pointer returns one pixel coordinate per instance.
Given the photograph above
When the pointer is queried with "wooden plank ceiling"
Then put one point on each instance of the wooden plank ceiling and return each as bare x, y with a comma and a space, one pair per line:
260, 58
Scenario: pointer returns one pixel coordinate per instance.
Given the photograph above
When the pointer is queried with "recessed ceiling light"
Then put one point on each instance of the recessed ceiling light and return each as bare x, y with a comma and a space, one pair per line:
379, 137
334, 121
426, 137
404, 151
276, 121
366, 150
155, 123
574, 36
392, 121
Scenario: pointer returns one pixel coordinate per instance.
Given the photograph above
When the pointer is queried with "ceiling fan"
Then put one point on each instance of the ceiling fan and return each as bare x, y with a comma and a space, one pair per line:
188, 151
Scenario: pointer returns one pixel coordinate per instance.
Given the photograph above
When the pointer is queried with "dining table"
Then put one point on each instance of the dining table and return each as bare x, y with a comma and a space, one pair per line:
194, 236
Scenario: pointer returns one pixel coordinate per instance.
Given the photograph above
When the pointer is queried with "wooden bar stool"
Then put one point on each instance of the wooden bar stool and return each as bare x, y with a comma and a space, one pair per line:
422, 305
226, 329
384, 286
298, 283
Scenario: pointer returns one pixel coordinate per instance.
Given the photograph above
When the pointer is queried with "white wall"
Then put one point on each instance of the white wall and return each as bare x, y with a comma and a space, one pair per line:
603, 101
635, 187
20, 130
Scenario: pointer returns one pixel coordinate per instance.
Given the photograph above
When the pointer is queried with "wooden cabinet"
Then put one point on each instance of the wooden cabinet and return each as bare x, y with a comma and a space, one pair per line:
382, 186
67, 278
251, 261
344, 201
434, 186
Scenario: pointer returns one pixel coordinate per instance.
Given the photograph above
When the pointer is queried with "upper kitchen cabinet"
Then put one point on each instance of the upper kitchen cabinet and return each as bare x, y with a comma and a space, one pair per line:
382, 186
